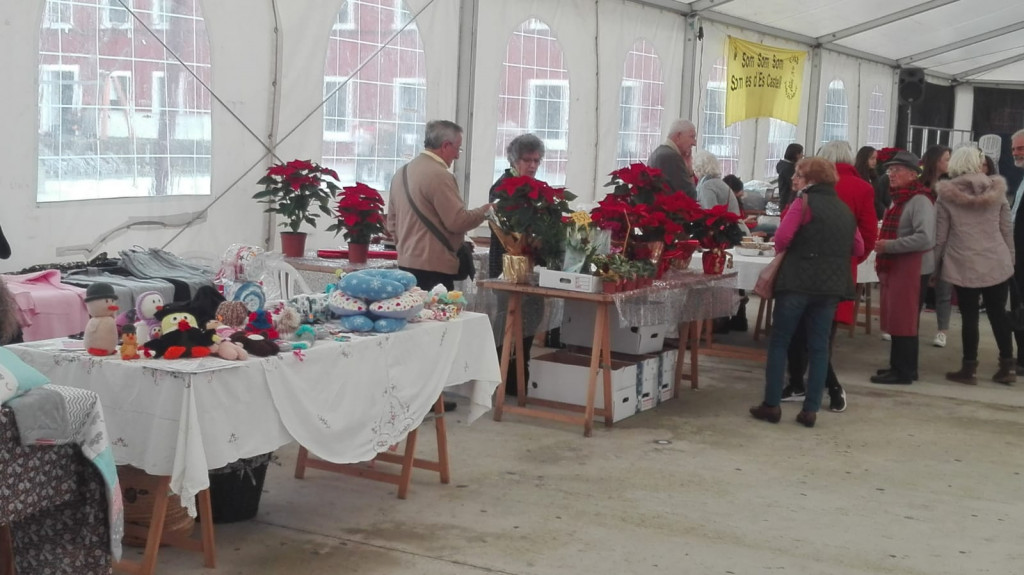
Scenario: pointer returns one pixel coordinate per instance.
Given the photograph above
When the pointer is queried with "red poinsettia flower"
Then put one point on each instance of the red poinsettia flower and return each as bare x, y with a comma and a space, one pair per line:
360, 213
299, 190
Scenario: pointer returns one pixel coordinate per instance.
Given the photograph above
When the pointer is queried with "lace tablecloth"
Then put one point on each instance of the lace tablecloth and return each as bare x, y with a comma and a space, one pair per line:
346, 402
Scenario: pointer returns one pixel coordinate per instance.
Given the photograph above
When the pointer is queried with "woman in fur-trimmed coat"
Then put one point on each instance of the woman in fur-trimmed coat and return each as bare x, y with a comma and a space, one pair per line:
974, 252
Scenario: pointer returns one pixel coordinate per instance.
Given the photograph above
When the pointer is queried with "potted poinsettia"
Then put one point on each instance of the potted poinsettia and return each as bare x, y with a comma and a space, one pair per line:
299, 191
646, 218
717, 229
528, 219
360, 216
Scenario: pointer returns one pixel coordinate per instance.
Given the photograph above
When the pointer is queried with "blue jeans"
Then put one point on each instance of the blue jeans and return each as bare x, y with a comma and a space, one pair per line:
817, 312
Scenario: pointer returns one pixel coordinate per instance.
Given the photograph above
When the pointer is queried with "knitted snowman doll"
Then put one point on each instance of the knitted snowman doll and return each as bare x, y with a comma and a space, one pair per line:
101, 331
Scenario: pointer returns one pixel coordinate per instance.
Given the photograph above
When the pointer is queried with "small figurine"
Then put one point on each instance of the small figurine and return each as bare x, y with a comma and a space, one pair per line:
101, 331
148, 327
129, 343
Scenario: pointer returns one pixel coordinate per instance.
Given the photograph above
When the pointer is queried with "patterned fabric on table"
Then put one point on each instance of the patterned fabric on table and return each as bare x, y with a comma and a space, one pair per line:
55, 502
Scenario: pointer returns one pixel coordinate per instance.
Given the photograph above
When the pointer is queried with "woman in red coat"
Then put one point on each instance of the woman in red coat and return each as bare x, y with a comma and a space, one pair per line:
859, 196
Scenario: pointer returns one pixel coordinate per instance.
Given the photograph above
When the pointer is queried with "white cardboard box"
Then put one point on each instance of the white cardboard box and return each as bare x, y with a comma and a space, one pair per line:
648, 377
666, 385
578, 329
562, 376
567, 281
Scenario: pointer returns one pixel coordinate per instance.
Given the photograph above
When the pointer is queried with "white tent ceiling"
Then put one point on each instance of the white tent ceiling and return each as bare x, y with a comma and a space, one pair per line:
976, 41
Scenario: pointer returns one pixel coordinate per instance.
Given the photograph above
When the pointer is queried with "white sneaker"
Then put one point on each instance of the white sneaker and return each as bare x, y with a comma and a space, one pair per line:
940, 340
886, 337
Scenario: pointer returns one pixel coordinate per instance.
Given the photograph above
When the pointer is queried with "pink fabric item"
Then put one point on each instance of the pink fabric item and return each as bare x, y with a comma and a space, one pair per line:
791, 222
47, 308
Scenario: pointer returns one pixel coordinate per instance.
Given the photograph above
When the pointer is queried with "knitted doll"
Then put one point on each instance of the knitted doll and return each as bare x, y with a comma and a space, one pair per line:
101, 331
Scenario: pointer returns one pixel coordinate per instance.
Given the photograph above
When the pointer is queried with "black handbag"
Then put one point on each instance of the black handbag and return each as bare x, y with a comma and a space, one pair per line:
467, 267
1016, 313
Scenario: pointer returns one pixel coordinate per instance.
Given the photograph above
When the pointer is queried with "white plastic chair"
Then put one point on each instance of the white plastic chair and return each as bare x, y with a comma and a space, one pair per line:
991, 145
288, 280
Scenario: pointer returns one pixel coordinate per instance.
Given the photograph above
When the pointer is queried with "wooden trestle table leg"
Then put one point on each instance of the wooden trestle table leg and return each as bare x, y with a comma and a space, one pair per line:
508, 343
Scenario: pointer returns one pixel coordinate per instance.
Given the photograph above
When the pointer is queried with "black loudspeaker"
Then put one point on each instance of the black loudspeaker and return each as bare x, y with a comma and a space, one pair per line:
911, 85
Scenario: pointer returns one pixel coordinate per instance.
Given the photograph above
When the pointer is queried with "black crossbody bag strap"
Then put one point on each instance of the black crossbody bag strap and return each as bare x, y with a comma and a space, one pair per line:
429, 224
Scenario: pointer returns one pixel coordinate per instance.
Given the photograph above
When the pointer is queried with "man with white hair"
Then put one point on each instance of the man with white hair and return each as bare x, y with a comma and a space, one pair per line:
674, 157
1017, 148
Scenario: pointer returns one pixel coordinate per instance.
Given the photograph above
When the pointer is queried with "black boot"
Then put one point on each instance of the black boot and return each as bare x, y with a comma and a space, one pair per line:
903, 361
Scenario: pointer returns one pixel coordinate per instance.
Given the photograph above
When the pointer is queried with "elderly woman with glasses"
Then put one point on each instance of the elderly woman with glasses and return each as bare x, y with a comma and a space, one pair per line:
818, 235
525, 153
904, 263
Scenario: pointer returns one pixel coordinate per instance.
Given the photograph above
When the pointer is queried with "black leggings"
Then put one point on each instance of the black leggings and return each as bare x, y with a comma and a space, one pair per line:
995, 307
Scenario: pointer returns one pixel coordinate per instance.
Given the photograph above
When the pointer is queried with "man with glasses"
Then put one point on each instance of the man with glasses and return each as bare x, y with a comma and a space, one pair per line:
1017, 149
426, 214
904, 263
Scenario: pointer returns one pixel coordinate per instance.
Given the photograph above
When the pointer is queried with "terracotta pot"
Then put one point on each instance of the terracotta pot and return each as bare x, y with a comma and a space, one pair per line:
357, 253
293, 244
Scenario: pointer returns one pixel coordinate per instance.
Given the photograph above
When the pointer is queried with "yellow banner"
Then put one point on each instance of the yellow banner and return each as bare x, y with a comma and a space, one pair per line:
763, 81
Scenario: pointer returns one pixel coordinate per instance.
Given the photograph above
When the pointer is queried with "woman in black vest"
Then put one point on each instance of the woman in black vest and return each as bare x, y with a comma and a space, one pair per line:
818, 236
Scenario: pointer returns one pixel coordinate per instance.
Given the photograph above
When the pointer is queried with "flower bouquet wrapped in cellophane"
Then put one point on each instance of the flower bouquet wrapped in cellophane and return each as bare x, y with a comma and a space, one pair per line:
582, 242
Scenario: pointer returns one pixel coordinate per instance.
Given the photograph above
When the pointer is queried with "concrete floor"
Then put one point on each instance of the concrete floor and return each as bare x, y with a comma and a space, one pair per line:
921, 479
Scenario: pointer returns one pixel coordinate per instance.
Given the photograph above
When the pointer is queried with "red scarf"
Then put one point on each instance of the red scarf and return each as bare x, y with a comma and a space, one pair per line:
891, 219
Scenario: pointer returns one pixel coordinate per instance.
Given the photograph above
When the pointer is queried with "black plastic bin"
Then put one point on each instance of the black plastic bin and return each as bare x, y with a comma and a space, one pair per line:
235, 490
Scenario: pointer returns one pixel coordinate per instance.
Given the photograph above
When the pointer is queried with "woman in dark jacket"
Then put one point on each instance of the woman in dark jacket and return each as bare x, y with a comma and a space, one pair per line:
818, 236
525, 153
785, 169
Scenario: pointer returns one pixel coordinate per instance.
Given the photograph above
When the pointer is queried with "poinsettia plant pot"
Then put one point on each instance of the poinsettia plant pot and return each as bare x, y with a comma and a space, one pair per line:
610, 287
293, 244
714, 261
357, 253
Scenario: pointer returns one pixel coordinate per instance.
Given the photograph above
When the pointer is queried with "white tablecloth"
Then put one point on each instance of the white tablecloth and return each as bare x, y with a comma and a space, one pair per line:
747, 269
346, 402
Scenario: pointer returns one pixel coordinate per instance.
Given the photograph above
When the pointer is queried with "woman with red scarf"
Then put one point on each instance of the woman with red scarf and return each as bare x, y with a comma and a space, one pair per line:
904, 264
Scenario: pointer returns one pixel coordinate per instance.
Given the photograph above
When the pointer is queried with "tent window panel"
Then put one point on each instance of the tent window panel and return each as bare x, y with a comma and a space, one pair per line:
835, 125
876, 119
378, 124
639, 105
780, 136
549, 113
337, 111
723, 142
534, 97
119, 116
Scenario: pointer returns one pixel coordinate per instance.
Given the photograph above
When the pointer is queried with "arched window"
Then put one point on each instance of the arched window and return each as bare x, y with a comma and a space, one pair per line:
715, 137
876, 119
534, 97
374, 120
780, 136
639, 105
835, 126
118, 115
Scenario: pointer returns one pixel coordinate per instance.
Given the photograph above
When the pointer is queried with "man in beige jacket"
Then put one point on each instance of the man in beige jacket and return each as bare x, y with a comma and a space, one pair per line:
427, 182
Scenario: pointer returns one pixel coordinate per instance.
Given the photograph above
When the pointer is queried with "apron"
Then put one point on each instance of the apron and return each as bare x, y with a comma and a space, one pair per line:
844, 311
901, 295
